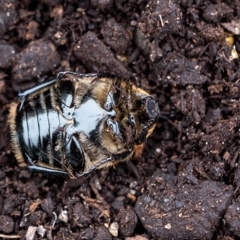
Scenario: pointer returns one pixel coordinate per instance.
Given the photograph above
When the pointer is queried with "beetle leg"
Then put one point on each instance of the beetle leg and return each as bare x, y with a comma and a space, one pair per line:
36, 88
36, 168
94, 167
24, 94
21, 104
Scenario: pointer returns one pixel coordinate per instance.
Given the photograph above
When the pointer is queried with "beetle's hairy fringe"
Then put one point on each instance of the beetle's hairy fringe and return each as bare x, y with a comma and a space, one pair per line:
49, 153
81, 89
53, 96
14, 142
91, 152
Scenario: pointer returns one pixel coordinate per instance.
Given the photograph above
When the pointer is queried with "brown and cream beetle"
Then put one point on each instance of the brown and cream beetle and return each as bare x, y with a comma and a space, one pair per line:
80, 122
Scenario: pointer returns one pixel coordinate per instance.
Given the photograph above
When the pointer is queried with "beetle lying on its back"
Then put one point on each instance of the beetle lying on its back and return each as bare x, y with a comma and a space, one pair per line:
79, 122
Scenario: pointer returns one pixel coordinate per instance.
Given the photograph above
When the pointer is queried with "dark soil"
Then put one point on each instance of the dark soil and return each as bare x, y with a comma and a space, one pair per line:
186, 184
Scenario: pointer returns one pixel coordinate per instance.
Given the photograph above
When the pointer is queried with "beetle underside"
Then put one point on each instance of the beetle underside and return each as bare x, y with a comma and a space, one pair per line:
80, 122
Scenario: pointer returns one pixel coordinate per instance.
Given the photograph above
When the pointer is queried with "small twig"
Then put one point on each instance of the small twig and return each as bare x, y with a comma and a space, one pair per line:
94, 203
9, 236
203, 174
99, 197
161, 20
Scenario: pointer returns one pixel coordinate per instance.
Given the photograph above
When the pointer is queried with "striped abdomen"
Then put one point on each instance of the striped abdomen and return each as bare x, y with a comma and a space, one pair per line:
41, 130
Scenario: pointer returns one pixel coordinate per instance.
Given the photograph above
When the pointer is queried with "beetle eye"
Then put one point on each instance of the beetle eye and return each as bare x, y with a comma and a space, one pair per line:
131, 120
109, 102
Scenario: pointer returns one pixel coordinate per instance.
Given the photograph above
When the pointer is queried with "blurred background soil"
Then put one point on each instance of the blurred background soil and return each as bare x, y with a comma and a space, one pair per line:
186, 184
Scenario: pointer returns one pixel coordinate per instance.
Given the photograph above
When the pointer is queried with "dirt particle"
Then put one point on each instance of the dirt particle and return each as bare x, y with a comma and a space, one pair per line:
96, 56
127, 222
63, 216
38, 58
47, 205
7, 224
31, 233
113, 229
115, 36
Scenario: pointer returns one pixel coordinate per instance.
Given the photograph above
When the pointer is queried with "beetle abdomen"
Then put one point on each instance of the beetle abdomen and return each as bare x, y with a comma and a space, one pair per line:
42, 136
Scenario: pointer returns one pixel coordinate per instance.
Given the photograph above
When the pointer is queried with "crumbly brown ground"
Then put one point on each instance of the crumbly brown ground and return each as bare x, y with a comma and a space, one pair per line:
185, 53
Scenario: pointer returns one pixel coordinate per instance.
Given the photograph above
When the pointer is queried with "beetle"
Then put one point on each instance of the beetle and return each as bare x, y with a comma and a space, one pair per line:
79, 122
